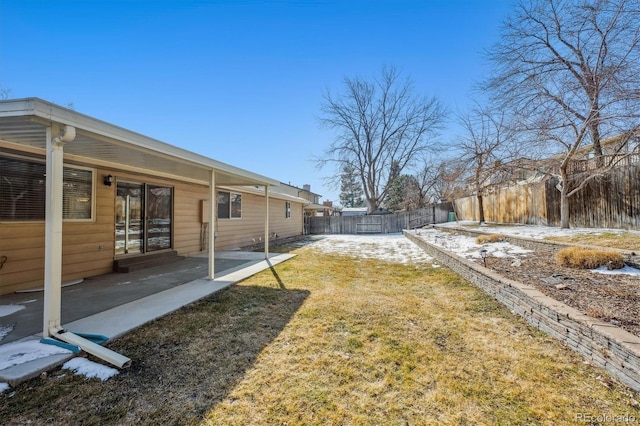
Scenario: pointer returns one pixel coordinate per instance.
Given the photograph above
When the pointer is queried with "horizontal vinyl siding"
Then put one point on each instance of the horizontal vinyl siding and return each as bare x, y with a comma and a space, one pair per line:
237, 233
82, 255
278, 223
88, 247
187, 229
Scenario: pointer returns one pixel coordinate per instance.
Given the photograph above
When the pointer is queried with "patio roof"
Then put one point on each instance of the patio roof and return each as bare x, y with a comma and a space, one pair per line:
24, 122
63, 135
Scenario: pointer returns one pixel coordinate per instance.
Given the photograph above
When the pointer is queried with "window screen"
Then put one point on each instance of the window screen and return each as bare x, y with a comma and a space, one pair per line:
223, 205
76, 202
23, 191
229, 205
236, 206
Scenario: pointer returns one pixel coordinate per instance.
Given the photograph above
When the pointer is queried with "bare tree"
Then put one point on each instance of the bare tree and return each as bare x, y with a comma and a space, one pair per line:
379, 124
483, 147
4, 93
570, 73
427, 180
415, 191
447, 183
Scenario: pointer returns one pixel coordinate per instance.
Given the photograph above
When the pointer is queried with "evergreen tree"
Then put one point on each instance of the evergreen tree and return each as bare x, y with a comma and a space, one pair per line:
350, 188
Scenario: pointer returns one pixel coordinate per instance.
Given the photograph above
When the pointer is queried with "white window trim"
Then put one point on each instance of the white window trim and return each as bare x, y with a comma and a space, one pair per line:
230, 194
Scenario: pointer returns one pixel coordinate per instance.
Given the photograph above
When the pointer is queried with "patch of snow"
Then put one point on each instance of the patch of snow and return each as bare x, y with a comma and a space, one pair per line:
626, 270
9, 309
390, 247
465, 246
536, 231
4, 387
540, 232
90, 369
16, 353
5, 330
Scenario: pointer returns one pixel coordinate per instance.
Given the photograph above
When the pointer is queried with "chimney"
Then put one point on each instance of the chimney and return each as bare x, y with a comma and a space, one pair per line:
306, 187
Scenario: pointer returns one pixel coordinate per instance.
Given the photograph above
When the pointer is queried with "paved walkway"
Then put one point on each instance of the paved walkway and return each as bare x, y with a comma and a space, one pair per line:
114, 304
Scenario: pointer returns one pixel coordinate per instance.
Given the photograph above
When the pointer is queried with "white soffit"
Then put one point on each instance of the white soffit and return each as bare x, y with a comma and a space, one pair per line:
24, 122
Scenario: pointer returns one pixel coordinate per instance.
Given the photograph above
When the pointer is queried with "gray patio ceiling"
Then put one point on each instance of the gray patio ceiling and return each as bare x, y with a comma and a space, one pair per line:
24, 122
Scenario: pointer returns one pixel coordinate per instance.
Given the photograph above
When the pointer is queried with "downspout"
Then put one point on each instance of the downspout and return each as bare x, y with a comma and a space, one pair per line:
266, 222
53, 227
53, 254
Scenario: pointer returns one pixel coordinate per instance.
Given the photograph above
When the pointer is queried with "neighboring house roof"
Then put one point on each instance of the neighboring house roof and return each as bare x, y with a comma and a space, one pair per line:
286, 186
354, 211
273, 193
25, 121
380, 211
314, 206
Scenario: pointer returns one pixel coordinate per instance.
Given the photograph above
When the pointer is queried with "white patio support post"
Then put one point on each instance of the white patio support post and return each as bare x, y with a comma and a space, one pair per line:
213, 203
53, 227
266, 222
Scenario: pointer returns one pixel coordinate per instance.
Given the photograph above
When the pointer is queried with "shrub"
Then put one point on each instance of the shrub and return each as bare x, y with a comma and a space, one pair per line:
490, 238
577, 257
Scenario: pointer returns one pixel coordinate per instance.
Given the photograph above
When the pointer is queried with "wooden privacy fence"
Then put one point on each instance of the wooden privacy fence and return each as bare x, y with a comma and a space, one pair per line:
379, 224
610, 201
525, 204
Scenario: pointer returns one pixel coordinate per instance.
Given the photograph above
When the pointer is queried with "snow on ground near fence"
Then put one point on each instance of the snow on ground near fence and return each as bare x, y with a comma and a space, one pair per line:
396, 248
390, 247
467, 247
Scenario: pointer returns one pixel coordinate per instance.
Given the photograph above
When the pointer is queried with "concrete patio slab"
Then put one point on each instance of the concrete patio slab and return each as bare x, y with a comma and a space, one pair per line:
174, 286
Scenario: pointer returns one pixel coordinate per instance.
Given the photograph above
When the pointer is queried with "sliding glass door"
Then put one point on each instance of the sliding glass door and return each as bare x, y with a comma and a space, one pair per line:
158, 217
143, 217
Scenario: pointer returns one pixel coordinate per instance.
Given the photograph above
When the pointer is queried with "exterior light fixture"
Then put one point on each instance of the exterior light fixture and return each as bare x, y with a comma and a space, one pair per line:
483, 255
108, 180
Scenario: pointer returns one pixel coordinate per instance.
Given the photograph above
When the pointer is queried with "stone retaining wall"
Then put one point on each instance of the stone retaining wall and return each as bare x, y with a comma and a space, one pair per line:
610, 347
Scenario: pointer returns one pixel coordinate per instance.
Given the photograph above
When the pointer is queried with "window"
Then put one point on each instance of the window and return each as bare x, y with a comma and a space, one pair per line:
23, 191
78, 185
287, 209
229, 205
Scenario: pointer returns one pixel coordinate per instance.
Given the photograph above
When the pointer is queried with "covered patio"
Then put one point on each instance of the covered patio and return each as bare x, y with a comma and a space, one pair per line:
33, 127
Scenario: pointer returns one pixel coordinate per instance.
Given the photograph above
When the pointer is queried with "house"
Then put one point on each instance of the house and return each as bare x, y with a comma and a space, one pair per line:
354, 211
79, 195
313, 206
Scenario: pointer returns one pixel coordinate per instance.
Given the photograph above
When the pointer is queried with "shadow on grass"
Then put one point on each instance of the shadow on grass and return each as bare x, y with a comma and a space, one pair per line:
290, 244
183, 364
275, 275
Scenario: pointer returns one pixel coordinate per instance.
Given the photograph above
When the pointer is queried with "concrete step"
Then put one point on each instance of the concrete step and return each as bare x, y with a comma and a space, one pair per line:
130, 264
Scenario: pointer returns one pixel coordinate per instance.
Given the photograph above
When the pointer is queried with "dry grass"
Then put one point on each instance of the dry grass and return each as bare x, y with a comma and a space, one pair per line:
490, 238
577, 257
324, 339
621, 240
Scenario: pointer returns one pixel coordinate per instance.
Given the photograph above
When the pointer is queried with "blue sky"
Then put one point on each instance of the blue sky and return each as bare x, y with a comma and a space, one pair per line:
239, 81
